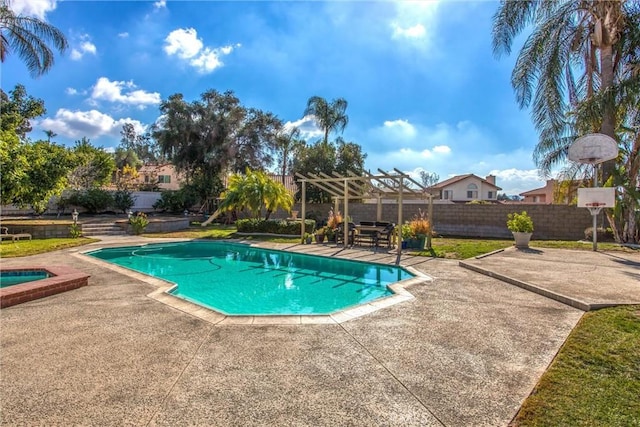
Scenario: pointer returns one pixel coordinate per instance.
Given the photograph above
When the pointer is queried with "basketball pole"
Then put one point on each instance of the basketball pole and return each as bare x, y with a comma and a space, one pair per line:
594, 231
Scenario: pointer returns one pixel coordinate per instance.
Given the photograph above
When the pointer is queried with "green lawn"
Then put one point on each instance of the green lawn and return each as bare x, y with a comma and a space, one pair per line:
444, 247
19, 248
595, 378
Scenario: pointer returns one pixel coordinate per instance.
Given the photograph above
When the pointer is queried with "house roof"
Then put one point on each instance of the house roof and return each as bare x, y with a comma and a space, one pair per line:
458, 178
535, 191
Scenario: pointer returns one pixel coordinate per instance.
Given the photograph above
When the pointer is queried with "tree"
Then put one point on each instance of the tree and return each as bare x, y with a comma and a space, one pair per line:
147, 151
29, 38
94, 166
13, 166
342, 157
50, 134
329, 117
41, 174
287, 141
578, 70
571, 54
254, 141
213, 135
254, 191
349, 157
17, 109
429, 179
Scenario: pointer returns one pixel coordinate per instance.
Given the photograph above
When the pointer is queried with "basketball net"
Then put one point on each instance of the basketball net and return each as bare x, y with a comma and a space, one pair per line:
595, 207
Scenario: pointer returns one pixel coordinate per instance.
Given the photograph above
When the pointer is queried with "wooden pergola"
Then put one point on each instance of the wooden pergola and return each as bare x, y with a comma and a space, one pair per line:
396, 184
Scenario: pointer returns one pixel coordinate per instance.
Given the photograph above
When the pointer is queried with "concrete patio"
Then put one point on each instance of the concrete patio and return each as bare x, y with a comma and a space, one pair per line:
467, 350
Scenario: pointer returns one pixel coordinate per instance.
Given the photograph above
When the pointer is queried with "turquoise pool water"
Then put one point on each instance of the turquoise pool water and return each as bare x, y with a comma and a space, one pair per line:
238, 279
10, 278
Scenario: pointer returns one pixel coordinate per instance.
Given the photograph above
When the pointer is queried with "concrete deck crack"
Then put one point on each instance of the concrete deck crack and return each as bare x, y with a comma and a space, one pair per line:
393, 375
187, 365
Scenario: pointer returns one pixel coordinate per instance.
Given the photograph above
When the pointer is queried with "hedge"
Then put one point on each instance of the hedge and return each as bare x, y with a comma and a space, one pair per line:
279, 226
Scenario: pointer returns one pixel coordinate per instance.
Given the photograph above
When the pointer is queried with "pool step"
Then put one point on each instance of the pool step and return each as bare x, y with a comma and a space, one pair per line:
102, 229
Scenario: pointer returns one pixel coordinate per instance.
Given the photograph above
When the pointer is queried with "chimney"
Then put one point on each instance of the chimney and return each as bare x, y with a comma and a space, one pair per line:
491, 179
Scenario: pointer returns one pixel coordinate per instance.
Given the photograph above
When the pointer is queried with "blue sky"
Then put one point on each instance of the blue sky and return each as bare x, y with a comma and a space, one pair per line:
424, 89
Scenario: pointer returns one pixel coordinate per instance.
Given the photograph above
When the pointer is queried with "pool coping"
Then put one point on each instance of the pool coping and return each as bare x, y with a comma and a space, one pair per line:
160, 294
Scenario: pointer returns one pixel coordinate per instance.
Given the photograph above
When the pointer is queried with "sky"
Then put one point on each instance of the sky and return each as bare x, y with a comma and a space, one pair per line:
424, 90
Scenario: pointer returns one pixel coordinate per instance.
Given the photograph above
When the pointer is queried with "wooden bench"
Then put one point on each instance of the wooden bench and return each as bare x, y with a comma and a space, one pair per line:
4, 234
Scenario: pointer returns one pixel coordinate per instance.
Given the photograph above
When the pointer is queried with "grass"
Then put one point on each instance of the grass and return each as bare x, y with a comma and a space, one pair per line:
215, 231
219, 231
444, 247
595, 378
9, 249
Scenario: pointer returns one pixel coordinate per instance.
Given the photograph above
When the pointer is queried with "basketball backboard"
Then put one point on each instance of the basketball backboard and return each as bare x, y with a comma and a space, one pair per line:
593, 148
603, 197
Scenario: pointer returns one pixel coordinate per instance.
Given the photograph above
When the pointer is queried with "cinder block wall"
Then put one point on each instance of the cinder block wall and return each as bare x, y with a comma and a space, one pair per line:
470, 220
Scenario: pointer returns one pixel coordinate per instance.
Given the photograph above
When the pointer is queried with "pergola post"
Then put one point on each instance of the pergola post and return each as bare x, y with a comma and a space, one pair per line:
304, 210
400, 206
430, 214
345, 222
379, 208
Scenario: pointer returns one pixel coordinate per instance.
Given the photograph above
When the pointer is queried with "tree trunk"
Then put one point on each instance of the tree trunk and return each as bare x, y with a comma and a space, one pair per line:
608, 125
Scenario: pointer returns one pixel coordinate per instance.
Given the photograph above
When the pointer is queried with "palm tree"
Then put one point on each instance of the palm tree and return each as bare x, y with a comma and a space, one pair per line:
254, 191
579, 71
570, 55
328, 116
29, 37
286, 142
50, 134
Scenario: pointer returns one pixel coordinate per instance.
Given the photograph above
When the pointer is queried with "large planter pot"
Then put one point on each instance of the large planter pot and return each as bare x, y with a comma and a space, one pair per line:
522, 239
319, 238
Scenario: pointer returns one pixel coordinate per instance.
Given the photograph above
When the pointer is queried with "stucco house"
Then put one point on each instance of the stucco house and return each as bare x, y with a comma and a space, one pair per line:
547, 194
542, 195
164, 176
468, 187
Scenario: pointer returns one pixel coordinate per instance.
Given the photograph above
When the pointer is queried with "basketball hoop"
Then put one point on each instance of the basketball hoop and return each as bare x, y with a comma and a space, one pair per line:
595, 207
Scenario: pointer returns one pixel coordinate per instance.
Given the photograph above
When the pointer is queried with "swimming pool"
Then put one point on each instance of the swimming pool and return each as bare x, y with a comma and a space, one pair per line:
237, 279
10, 278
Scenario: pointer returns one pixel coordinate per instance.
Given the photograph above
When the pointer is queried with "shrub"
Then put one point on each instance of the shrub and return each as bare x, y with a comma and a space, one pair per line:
75, 231
292, 228
604, 234
420, 224
520, 222
176, 201
138, 222
334, 219
94, 200
123, 200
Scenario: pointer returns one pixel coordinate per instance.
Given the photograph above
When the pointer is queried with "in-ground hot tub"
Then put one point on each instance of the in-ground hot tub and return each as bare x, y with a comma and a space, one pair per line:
59, 279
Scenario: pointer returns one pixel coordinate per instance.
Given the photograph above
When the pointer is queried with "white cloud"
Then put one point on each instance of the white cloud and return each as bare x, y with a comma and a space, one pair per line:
71, 91
400, 128
85, 46
415, 21
515, 181
37, 8
92, 124
307, 127
160, 4
123, 35
415, 32
119, 91
185, 44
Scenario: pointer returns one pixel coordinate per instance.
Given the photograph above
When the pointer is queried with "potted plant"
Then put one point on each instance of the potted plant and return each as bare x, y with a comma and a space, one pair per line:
320, 233
521, 225
307, 238
420, 227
